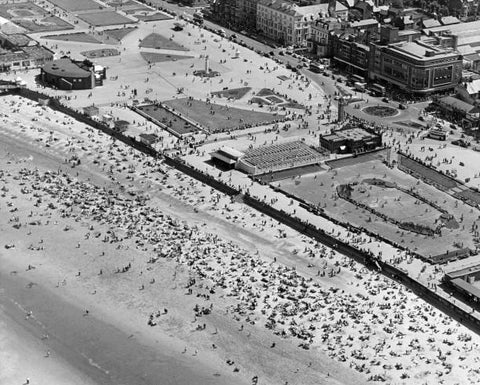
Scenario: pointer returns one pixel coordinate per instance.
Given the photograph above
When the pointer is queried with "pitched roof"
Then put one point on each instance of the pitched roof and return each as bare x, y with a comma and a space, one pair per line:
473, 87
293, 9
430, 23
447, 20
457, 104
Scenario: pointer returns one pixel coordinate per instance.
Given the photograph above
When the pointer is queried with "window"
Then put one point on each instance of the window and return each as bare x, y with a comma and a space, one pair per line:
442, 75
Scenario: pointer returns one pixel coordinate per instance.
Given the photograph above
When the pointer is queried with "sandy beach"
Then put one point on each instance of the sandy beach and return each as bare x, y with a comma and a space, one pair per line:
118, 269
67, 252
226, 295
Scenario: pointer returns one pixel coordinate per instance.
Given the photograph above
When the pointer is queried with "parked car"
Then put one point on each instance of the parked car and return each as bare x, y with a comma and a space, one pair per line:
385, 100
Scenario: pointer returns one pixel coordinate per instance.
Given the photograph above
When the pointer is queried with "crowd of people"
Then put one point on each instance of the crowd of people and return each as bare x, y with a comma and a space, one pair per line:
370, 323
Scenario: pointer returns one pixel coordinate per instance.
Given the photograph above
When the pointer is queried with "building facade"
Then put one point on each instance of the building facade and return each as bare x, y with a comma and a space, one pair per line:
320, 42
68, 74
26, 58
415, 67
20, 52
351, 140
349, 54
236, 14
290, 24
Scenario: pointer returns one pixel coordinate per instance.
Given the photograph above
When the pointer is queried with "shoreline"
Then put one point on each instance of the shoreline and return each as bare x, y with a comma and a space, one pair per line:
91, 348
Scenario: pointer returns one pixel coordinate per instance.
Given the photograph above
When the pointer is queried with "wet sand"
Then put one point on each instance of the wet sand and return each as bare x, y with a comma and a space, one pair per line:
91, 348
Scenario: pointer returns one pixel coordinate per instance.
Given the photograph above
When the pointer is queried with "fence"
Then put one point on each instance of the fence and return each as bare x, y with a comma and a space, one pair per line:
364, 257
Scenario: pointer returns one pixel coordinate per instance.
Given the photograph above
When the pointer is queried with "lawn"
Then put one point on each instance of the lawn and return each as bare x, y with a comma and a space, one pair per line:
101, 53
98, 19
157, 16
169, 119
21, 10
33, 18
80, 37
268, 96
320, 190
265, 92
153, 57
76, 5
232, 93
410, 124
396, 204
428, 173
129, 6
381, 111
46, 24
118, 33
217, 118
154, 40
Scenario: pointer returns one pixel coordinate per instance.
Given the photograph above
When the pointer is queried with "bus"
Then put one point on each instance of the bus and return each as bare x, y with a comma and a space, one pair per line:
357, 78
378, 90
360, 86
316, 67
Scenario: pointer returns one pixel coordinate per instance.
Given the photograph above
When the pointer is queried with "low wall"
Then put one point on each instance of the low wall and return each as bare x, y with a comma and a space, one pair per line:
197, 174
308, 229
155, 121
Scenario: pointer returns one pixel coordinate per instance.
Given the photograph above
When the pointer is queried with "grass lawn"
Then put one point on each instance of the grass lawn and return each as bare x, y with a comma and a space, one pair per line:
129, 6
154, 40
291, 104
268, 96
46, 24
99, 19
275, 99
153, 57
169, 119
101, 53
260, 101
118, 33
410, 123
20, 10
395, 204
80, 37
217, 118
319, 188
381, 111
265, 92
234, 93
158, 16
76, 5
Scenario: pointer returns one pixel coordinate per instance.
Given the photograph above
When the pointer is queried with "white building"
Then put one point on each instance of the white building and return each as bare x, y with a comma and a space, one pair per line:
290, 24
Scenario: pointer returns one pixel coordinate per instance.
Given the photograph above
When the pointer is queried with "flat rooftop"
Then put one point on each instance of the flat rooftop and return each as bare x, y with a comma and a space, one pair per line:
456, 29
355, 134
420, 51
66, 68
463, 271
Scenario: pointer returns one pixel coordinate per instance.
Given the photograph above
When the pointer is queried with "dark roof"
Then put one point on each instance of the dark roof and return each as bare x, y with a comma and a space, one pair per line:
66, 68
457, 104
463, 285
27, 53
37, 52
463, 272
17, 39
221, 156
